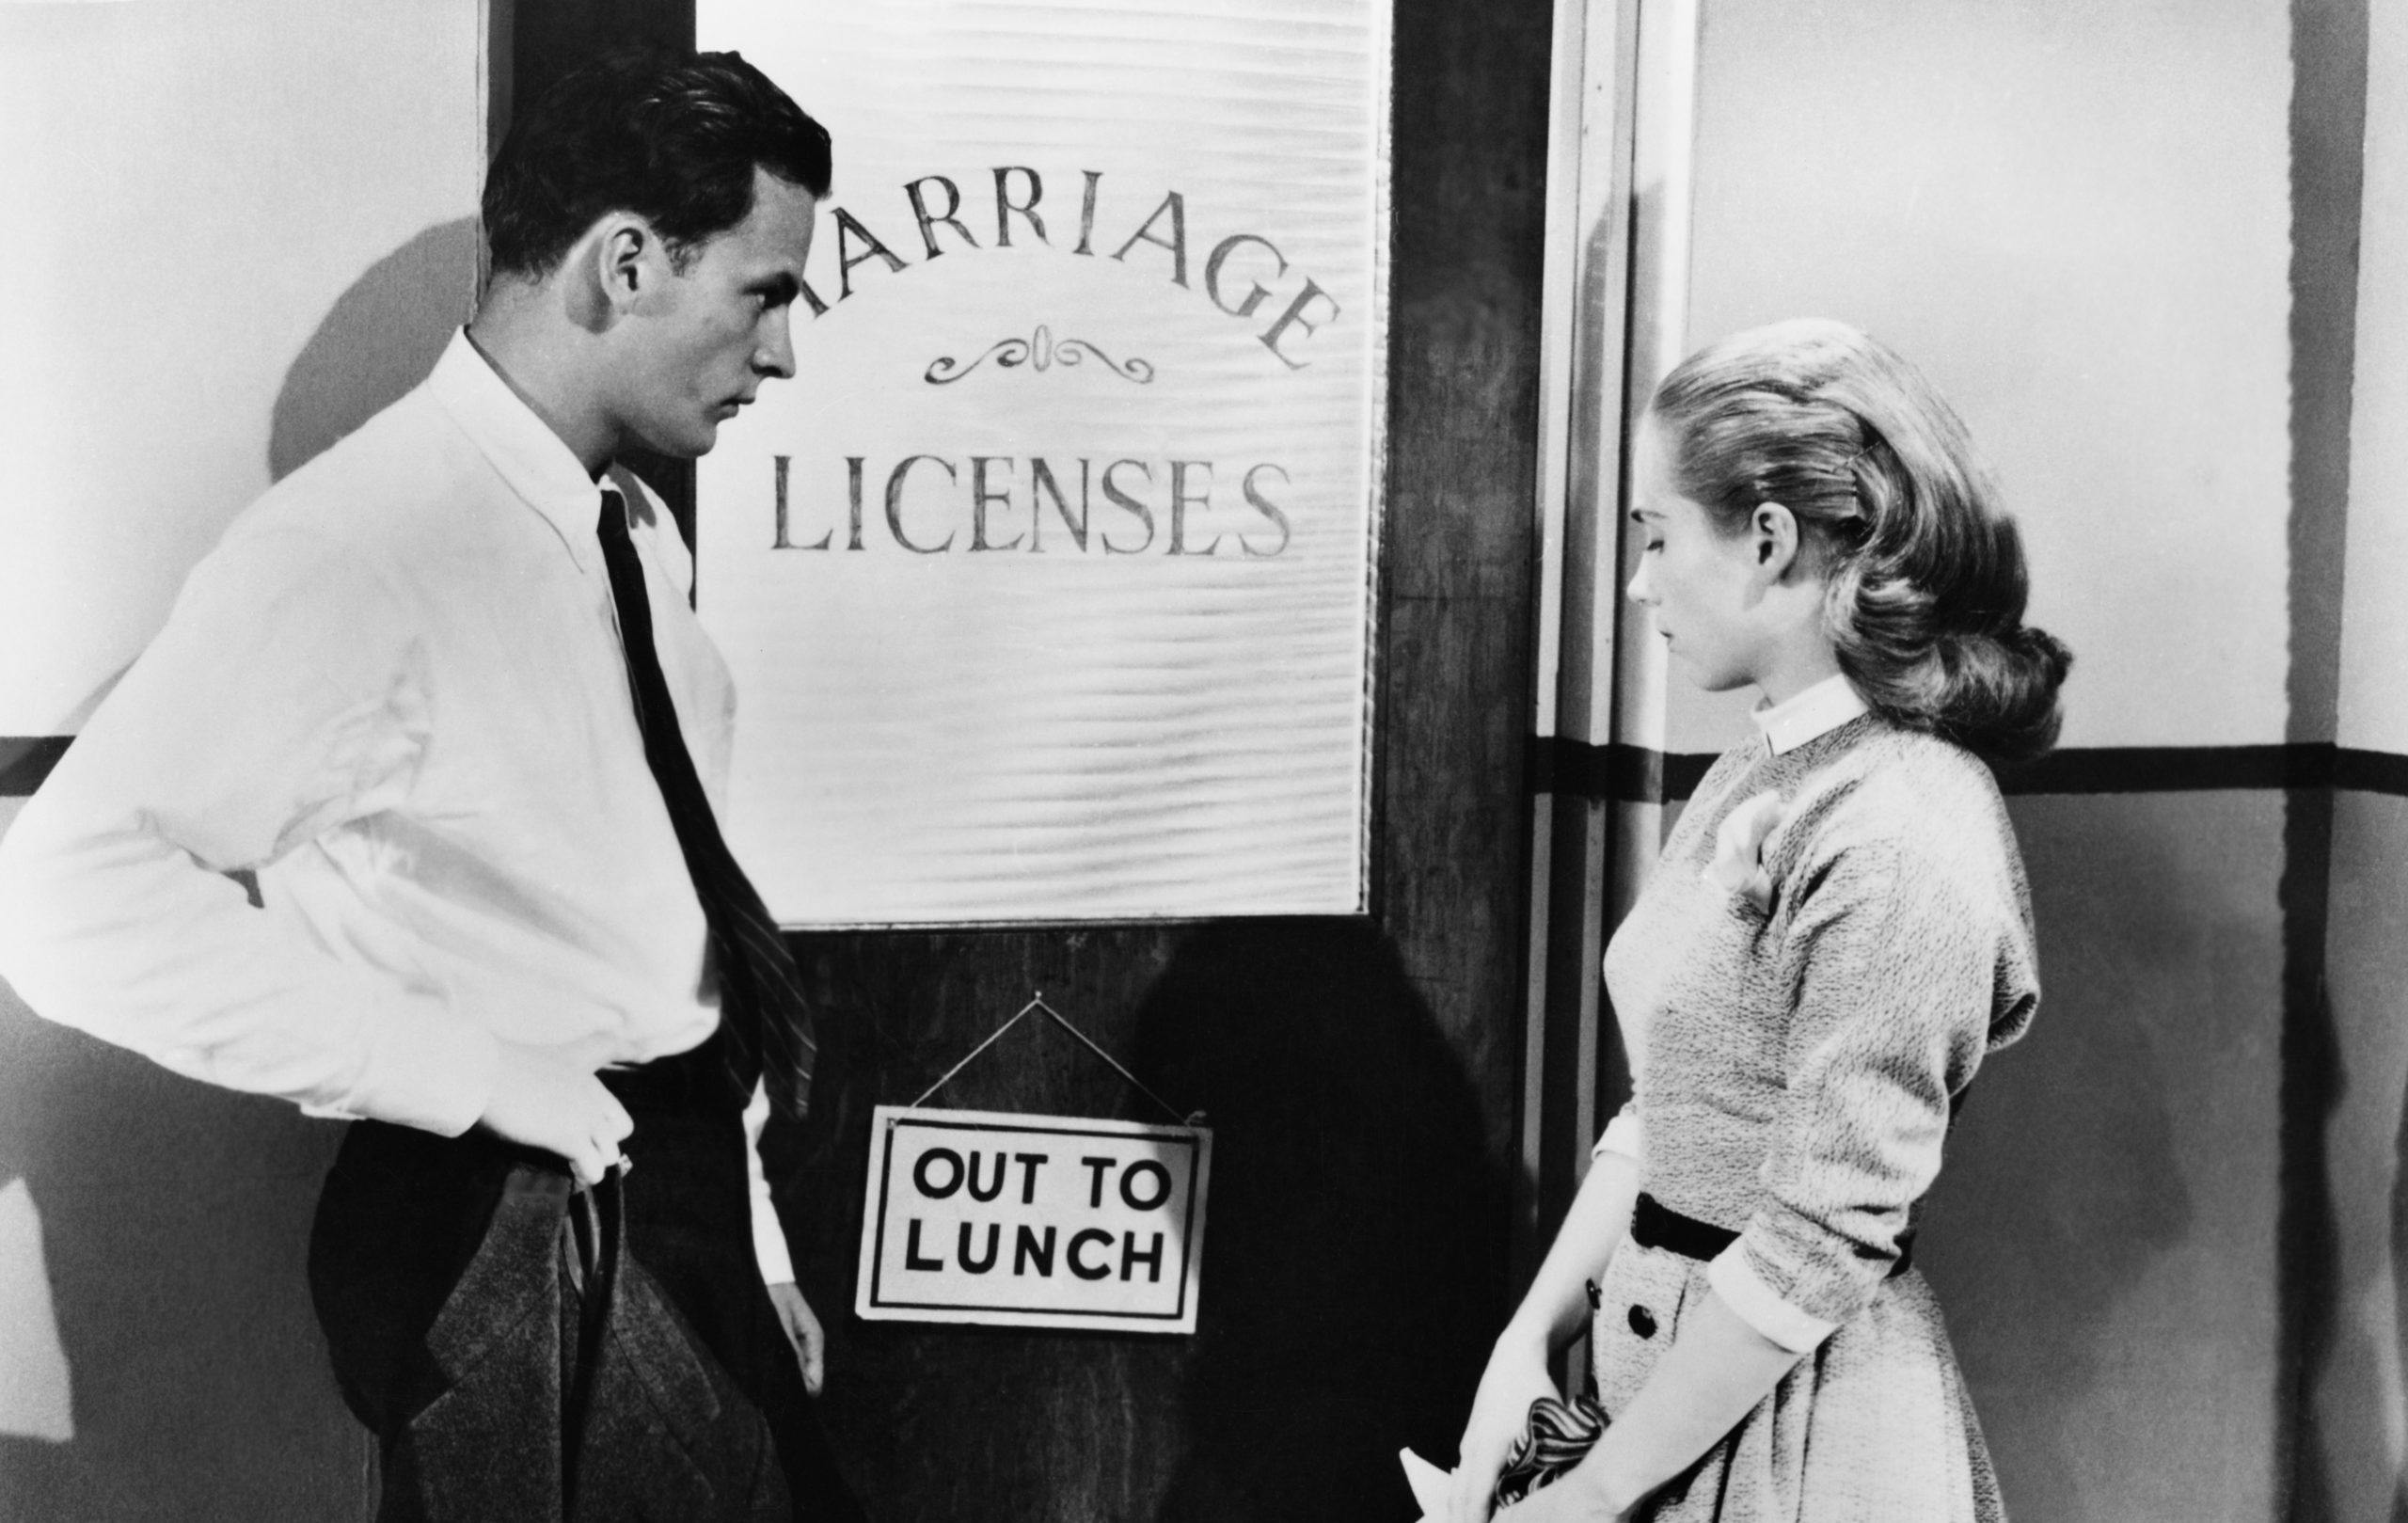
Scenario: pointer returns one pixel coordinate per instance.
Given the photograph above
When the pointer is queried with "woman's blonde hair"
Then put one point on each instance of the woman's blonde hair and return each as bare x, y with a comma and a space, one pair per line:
1923, 569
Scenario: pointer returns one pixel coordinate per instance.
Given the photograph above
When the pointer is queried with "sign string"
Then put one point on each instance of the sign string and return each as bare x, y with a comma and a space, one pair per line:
1037, 1002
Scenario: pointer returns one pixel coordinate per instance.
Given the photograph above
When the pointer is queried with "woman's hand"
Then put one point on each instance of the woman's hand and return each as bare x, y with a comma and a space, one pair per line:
1551, 1314
1517, 1376
1565, 1501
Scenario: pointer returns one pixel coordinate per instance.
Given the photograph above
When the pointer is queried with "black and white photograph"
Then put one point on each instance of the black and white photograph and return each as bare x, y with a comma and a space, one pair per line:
1204, 761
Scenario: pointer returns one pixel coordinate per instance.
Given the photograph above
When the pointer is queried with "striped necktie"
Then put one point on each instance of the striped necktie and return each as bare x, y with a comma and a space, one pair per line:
761, 1005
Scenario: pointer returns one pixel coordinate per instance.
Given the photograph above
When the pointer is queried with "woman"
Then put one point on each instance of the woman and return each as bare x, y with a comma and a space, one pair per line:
1837, 933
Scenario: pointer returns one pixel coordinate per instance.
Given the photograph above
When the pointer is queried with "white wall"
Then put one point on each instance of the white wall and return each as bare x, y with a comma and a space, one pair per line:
2075, 218
194, 188
2375, 641
237, 227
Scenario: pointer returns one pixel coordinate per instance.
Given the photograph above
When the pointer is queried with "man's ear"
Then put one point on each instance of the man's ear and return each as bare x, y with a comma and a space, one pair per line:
1773, 533
628, 261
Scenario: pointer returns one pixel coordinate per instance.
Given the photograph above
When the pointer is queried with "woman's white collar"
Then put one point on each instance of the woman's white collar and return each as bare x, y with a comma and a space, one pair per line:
1814, 712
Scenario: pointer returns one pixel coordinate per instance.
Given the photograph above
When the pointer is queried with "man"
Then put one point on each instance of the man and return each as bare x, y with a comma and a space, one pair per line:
440, 691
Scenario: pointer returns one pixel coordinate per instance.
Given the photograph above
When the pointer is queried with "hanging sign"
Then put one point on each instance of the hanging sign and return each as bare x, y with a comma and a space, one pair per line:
1047, 581
1033, 1221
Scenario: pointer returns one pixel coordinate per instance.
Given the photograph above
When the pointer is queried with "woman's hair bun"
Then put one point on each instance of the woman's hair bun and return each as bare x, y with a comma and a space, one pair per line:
1999, 695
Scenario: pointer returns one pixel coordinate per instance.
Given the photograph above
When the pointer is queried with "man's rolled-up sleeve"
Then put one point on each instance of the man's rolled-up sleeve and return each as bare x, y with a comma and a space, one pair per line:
285, 696
1892, 1010
769, 1251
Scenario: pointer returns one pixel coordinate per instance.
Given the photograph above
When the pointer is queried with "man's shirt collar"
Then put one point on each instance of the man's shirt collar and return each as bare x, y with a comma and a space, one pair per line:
536, 464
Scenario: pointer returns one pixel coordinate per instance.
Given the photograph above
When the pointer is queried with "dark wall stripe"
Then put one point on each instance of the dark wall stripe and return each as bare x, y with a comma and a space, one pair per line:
2370, 771
25, 760
2173, 769
2328, 123
1632, 774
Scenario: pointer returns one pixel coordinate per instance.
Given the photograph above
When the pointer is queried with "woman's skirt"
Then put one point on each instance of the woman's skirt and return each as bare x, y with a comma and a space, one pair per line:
1873, 1427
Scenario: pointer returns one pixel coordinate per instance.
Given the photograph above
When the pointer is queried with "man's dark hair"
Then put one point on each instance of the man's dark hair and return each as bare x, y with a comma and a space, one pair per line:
673, 138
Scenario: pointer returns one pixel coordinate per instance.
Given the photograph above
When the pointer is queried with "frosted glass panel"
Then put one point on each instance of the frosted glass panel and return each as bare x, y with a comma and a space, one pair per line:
1048, 582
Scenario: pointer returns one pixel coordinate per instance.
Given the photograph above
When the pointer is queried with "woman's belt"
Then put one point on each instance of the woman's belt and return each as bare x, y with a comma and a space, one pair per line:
1655, 1225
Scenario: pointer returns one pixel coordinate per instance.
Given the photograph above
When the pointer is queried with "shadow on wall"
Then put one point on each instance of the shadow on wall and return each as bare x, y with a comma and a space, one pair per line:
173, 1219
380, 340
2399, 1350
1352, 1280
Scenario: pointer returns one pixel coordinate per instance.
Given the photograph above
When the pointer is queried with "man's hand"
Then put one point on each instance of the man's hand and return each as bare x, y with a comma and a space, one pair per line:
548, 1098
803, 1331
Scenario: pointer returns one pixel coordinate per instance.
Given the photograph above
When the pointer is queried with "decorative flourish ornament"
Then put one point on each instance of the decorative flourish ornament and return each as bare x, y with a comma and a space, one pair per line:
1039, 352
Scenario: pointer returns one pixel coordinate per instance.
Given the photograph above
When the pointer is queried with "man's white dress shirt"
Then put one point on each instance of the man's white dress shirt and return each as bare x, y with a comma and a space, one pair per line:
396, 693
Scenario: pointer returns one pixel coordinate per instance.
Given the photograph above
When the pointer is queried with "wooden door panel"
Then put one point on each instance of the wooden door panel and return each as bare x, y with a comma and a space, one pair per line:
1359, 1072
